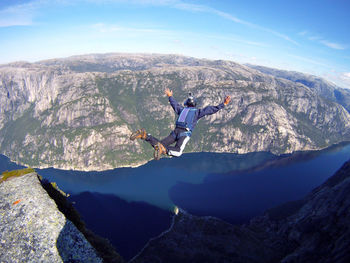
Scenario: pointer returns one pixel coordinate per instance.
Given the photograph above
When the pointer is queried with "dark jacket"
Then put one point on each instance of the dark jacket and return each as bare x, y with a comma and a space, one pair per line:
199, 113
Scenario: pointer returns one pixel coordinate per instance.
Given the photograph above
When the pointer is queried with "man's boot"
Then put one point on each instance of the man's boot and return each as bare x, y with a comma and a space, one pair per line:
159, 150
139, 134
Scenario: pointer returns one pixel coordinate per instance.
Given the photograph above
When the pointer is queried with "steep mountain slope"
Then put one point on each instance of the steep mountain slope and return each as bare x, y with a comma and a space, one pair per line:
323, 87
78, 112
314, 229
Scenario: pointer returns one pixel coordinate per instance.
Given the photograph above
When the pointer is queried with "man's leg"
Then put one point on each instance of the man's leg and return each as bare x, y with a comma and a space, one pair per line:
162, 147
169, 140
166, 141
141, 134
159, 148
152, 140
179, 147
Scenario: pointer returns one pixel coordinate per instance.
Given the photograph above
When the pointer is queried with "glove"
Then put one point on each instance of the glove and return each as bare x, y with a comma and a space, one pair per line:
168, 92
227, 100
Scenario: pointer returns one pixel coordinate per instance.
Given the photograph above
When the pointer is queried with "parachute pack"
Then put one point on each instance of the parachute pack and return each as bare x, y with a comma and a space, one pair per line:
186, 118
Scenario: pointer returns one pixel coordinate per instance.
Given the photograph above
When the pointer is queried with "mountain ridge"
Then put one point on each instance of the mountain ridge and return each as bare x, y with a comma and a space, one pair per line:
78, 112
326, 88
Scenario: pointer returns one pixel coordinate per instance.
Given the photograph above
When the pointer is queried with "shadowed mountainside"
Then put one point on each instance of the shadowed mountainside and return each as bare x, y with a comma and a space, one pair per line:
313, 229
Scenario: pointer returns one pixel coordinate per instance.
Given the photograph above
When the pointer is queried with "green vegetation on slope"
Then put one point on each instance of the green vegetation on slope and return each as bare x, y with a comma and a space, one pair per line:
15, 173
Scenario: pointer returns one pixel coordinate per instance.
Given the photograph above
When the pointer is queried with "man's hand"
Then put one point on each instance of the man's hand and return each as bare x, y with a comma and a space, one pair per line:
227, 100
168, 92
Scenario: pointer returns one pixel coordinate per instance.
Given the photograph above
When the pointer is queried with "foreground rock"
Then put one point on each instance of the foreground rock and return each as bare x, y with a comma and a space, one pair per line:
32, 229
314, 229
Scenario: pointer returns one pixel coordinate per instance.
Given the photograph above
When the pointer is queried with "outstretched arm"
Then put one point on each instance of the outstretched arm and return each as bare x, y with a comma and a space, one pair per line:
176, 106
213, 109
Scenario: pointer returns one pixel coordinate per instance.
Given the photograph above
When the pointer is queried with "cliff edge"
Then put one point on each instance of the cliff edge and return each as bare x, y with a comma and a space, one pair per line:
32, 229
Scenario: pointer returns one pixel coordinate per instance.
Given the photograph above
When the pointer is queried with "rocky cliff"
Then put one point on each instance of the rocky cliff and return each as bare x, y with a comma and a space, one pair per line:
314, 229
321, 86
32, 228
78, 112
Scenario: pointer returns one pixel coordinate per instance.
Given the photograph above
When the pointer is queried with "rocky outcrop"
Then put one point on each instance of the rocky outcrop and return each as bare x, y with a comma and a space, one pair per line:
322, 87
32, 229
78, 112
314, 229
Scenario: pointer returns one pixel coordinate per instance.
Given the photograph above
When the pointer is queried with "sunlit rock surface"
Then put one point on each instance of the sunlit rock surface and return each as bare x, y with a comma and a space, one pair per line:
32, 229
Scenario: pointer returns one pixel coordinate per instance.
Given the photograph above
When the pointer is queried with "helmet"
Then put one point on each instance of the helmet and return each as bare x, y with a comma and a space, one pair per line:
190, 102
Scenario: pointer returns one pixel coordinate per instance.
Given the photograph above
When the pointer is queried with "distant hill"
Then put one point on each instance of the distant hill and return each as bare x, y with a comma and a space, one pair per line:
78, 112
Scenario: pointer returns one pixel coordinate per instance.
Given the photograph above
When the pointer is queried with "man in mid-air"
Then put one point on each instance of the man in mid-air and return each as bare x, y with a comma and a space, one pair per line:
188, 117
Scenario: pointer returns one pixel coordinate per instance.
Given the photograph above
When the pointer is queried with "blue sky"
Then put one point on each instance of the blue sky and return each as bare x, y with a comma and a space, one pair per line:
307, 36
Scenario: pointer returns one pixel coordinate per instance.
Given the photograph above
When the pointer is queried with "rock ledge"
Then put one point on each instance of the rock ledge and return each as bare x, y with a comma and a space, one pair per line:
32, 229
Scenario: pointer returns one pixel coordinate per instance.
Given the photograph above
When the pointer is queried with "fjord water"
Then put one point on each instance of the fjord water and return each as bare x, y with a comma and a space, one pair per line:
237, 196
211, 183
131, 205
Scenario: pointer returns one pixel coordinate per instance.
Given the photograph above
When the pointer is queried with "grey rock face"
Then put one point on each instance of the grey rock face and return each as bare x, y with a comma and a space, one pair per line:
314, 229
78, 113
321, 86
32, 229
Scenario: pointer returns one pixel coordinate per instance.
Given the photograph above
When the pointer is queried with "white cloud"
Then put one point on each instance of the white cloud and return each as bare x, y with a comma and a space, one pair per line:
341, 79
206, 9
232, 38
20, 15
323, 41
333, 45
315, 38
309, 60
346, 75
177, 4
23, 14
302, 33
110, 28
127, 31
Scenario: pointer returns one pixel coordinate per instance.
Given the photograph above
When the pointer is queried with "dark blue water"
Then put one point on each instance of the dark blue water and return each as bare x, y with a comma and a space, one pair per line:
7, 165
151, 183
209, 183
127, 225
121, 204
238, 196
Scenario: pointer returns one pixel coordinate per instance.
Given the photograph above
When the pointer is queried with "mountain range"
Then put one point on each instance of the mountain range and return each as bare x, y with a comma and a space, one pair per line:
78, 112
